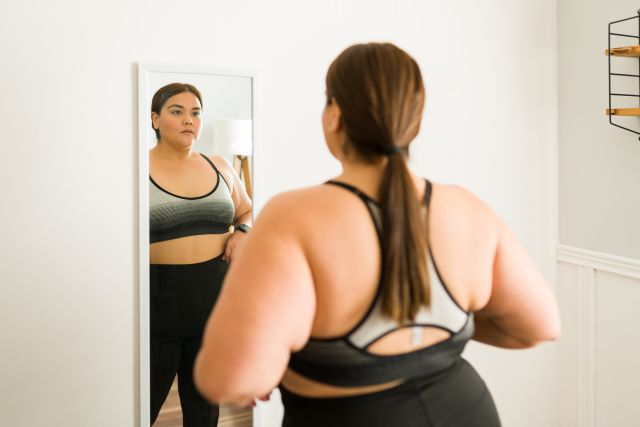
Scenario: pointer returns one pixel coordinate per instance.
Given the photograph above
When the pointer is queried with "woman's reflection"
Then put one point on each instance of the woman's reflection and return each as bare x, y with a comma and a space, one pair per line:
194, 200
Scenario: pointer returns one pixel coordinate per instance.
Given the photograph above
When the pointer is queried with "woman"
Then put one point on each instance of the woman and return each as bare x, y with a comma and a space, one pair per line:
194, 200
358, 296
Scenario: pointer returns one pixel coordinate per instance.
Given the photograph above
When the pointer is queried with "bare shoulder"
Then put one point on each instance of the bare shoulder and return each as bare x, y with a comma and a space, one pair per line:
293, 204
461, 204
456, 194
310, 199
220, 162
223, 165
310, 209
464, 231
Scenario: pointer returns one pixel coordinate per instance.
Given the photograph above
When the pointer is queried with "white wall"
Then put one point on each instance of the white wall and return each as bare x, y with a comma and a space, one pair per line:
599, 202
68, 164
599, 173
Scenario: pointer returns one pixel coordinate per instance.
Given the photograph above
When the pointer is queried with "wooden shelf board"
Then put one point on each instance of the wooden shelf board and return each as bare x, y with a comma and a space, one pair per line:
628, 51
623, 111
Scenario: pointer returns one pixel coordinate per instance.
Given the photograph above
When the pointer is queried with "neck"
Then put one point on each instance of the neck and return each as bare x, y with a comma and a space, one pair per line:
368, 177
167, 151
365, 176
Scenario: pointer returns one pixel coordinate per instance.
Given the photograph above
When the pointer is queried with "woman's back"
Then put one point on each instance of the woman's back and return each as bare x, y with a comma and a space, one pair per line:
344, 256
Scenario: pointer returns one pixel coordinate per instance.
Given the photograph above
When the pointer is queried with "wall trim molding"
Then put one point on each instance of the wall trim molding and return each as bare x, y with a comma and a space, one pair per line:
579, 355
600, 261
586, 363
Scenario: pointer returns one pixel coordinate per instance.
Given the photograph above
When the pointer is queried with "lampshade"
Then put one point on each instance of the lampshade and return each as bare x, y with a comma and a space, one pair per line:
232, 136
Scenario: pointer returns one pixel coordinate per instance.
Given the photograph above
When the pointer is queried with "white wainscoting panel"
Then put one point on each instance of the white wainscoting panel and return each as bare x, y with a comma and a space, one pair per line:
599, 297
617, 350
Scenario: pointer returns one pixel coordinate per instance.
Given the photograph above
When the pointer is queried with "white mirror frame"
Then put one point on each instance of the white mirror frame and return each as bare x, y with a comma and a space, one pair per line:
143, 338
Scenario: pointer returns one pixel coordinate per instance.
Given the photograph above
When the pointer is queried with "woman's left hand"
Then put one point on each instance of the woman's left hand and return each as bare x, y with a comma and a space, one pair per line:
233, 243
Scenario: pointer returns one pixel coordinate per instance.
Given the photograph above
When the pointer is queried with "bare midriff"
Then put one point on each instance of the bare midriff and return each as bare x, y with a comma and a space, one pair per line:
188, 250
303, 386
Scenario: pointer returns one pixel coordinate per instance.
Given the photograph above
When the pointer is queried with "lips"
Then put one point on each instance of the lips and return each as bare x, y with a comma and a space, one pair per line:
188, 131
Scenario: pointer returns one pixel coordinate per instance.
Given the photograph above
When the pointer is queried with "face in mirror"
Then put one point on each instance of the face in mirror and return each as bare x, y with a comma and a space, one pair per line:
199, 213
179, 121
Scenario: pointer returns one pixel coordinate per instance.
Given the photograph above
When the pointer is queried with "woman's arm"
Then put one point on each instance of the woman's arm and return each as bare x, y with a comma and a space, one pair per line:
522, 310
265, 311
239, 195
241, 202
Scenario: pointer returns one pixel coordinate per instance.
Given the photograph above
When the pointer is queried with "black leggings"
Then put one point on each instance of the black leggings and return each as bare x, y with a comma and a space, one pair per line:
455, 398
182, 297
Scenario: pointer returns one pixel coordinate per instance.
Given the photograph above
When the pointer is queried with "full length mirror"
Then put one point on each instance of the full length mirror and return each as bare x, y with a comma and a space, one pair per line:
196, 146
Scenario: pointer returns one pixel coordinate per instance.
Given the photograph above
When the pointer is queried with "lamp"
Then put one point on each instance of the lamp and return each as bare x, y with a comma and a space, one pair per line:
235, 137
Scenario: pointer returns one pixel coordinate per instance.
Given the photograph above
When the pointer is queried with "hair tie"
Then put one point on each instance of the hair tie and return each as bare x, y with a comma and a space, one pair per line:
394, 150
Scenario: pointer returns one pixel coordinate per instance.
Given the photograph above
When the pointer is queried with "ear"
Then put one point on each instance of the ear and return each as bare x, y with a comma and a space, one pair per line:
154, 120
334, 115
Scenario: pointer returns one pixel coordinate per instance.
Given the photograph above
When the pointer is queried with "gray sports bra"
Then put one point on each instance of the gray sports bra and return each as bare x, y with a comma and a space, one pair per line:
172, 216
346, 361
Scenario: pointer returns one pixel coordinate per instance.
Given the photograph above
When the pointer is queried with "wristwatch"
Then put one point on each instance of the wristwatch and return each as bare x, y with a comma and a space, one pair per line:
242, 227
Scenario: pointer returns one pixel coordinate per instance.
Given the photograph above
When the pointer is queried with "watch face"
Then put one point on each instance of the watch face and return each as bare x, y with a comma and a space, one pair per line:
243, 227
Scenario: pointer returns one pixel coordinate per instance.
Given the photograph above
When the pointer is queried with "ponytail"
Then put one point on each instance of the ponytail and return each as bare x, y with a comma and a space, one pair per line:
405, 278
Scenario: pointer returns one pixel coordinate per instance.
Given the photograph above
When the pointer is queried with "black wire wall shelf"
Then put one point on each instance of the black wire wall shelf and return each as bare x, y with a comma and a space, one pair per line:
632, 51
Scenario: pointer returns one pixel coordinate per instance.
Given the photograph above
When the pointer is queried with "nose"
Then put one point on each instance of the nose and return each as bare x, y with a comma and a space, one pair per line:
188, 120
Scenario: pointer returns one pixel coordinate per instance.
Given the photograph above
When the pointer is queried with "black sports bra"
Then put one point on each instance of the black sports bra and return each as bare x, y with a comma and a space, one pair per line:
346, 361
172, 216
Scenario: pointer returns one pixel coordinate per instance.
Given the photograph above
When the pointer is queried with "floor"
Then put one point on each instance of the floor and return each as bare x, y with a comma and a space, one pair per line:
171, 415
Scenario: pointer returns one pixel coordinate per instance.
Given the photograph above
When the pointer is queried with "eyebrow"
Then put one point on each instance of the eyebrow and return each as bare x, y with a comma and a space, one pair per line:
180, 106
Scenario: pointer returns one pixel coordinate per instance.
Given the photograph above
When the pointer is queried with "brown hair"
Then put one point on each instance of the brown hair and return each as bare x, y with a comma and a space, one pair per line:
166, 92
380, 92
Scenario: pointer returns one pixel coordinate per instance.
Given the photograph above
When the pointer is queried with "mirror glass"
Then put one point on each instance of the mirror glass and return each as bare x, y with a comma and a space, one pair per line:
196, 146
